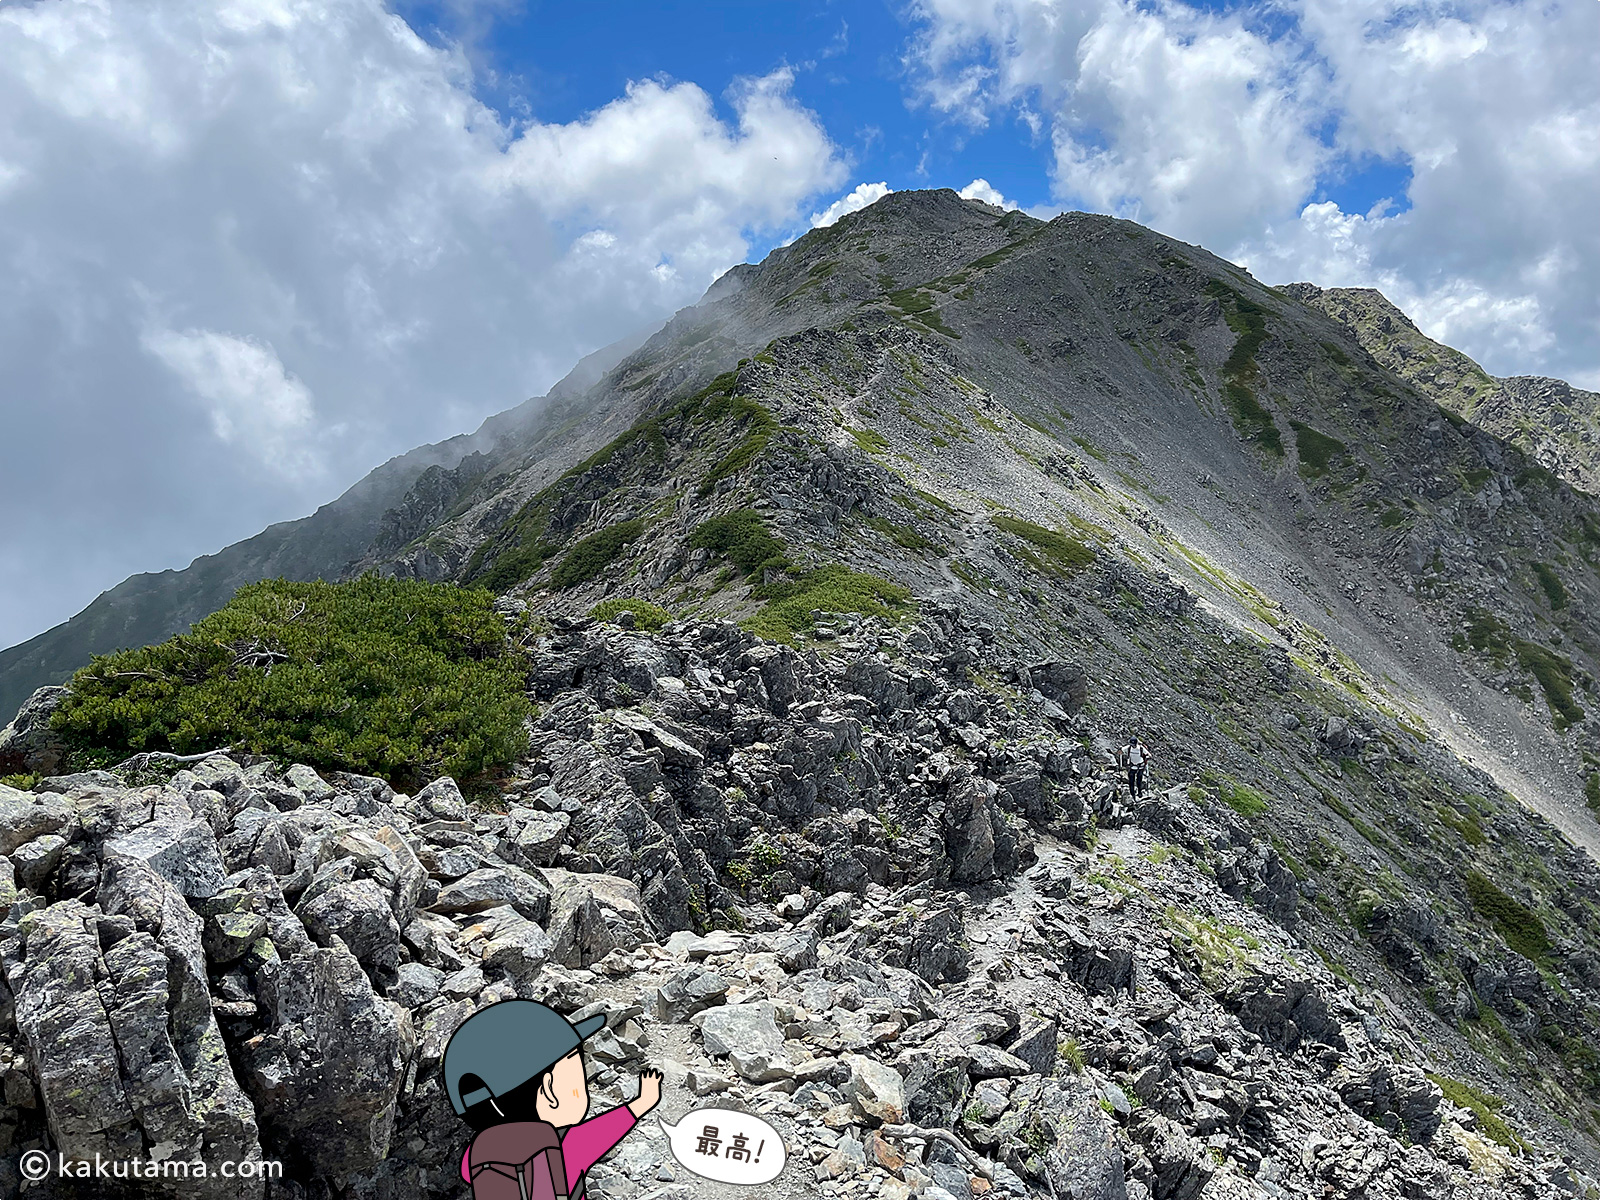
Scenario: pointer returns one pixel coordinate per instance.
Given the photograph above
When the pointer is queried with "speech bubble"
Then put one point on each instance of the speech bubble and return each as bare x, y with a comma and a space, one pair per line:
727, 1145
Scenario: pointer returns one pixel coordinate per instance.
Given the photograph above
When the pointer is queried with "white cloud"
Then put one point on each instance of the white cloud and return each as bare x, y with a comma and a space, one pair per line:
258, 202
249, 397
853, 201
981, 189
1224, 127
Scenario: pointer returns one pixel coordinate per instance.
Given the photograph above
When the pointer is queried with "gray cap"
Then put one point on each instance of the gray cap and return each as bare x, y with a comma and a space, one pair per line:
507, 1044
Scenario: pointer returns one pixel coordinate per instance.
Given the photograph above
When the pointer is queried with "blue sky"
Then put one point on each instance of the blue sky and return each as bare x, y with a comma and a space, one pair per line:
548, 61
256, 247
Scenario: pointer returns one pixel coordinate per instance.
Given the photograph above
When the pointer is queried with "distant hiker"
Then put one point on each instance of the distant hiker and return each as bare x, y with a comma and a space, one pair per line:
1132, 758
514, 1072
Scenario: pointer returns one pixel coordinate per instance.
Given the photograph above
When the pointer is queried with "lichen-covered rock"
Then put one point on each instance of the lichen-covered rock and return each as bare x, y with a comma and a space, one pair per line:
489, 887
29, 745
326, 1070
1084, 1162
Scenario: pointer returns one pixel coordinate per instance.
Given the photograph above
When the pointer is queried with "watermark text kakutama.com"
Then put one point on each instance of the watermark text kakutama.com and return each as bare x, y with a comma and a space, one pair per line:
37, 1165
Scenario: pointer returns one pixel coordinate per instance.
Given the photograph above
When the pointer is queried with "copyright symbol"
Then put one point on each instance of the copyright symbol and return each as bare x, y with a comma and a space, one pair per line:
35, 1165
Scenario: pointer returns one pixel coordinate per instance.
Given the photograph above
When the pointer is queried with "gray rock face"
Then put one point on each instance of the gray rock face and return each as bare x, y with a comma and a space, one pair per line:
183, 852
1085, 1162
534, 838
27, 815
359, 915
876, 1090
125, 1049
592, 915
326, 1073
490, 887
749, 1038
28, 745
686, 992
442, 800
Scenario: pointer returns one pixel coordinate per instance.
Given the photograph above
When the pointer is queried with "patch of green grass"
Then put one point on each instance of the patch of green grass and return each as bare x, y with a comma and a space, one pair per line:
516, 565
995, 257
595, 553
917, 305
1467, 827
1554, 590
1220, 950
1521, 927
789, 603
645, 614
1554, 674
1485, 633
1393, 517
1244, 800
23, 783
389, 677
1072, 1054
1482, 1105
744, 538
760, 423
970, 575
1317, 450
1591, 793
1089, 447
869, 440
901, 535
1249, 321
1061, 553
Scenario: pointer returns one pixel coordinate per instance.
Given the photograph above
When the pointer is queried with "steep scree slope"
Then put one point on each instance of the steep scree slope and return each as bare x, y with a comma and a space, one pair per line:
1221, 434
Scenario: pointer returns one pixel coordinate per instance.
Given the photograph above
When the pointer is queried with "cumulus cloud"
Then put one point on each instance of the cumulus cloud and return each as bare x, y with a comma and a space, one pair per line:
295, 218
852, 201
1233, 128
981, 189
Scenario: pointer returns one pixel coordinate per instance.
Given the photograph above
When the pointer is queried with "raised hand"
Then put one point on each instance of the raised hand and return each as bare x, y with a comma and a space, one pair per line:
649, 1093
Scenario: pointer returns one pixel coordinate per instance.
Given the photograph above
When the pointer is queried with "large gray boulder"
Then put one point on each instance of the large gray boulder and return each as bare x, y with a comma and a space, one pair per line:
356, 912
184, 852
491, 887
1084, 1162
592, 915
749, 1037
326, 1074
29, 745
27, 815
126, 1055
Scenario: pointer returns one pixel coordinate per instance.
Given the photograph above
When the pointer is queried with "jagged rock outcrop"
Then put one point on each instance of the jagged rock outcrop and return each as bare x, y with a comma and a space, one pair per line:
28, 745
269, 962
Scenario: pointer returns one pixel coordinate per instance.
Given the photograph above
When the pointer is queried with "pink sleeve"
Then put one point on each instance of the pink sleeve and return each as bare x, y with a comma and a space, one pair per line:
465, 1155
588, 1142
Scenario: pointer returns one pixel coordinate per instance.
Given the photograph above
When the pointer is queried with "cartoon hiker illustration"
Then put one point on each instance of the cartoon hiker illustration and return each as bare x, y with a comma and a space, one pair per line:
514, 1071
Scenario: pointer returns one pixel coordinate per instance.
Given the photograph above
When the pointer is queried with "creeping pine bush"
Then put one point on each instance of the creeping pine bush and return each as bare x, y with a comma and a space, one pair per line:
645, 614
595, 553
388, 677
1521, 927
790, 601
744, 538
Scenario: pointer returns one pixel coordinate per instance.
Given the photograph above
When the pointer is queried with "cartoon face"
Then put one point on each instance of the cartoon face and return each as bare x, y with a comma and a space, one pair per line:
563, 1097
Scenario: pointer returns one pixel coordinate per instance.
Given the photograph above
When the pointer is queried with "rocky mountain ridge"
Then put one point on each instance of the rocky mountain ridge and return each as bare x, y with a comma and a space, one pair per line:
1554, 423
941, 953
147, 608
1090, 375
846, 585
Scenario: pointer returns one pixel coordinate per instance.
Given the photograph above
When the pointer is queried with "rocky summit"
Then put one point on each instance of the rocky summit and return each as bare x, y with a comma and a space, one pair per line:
834, 601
